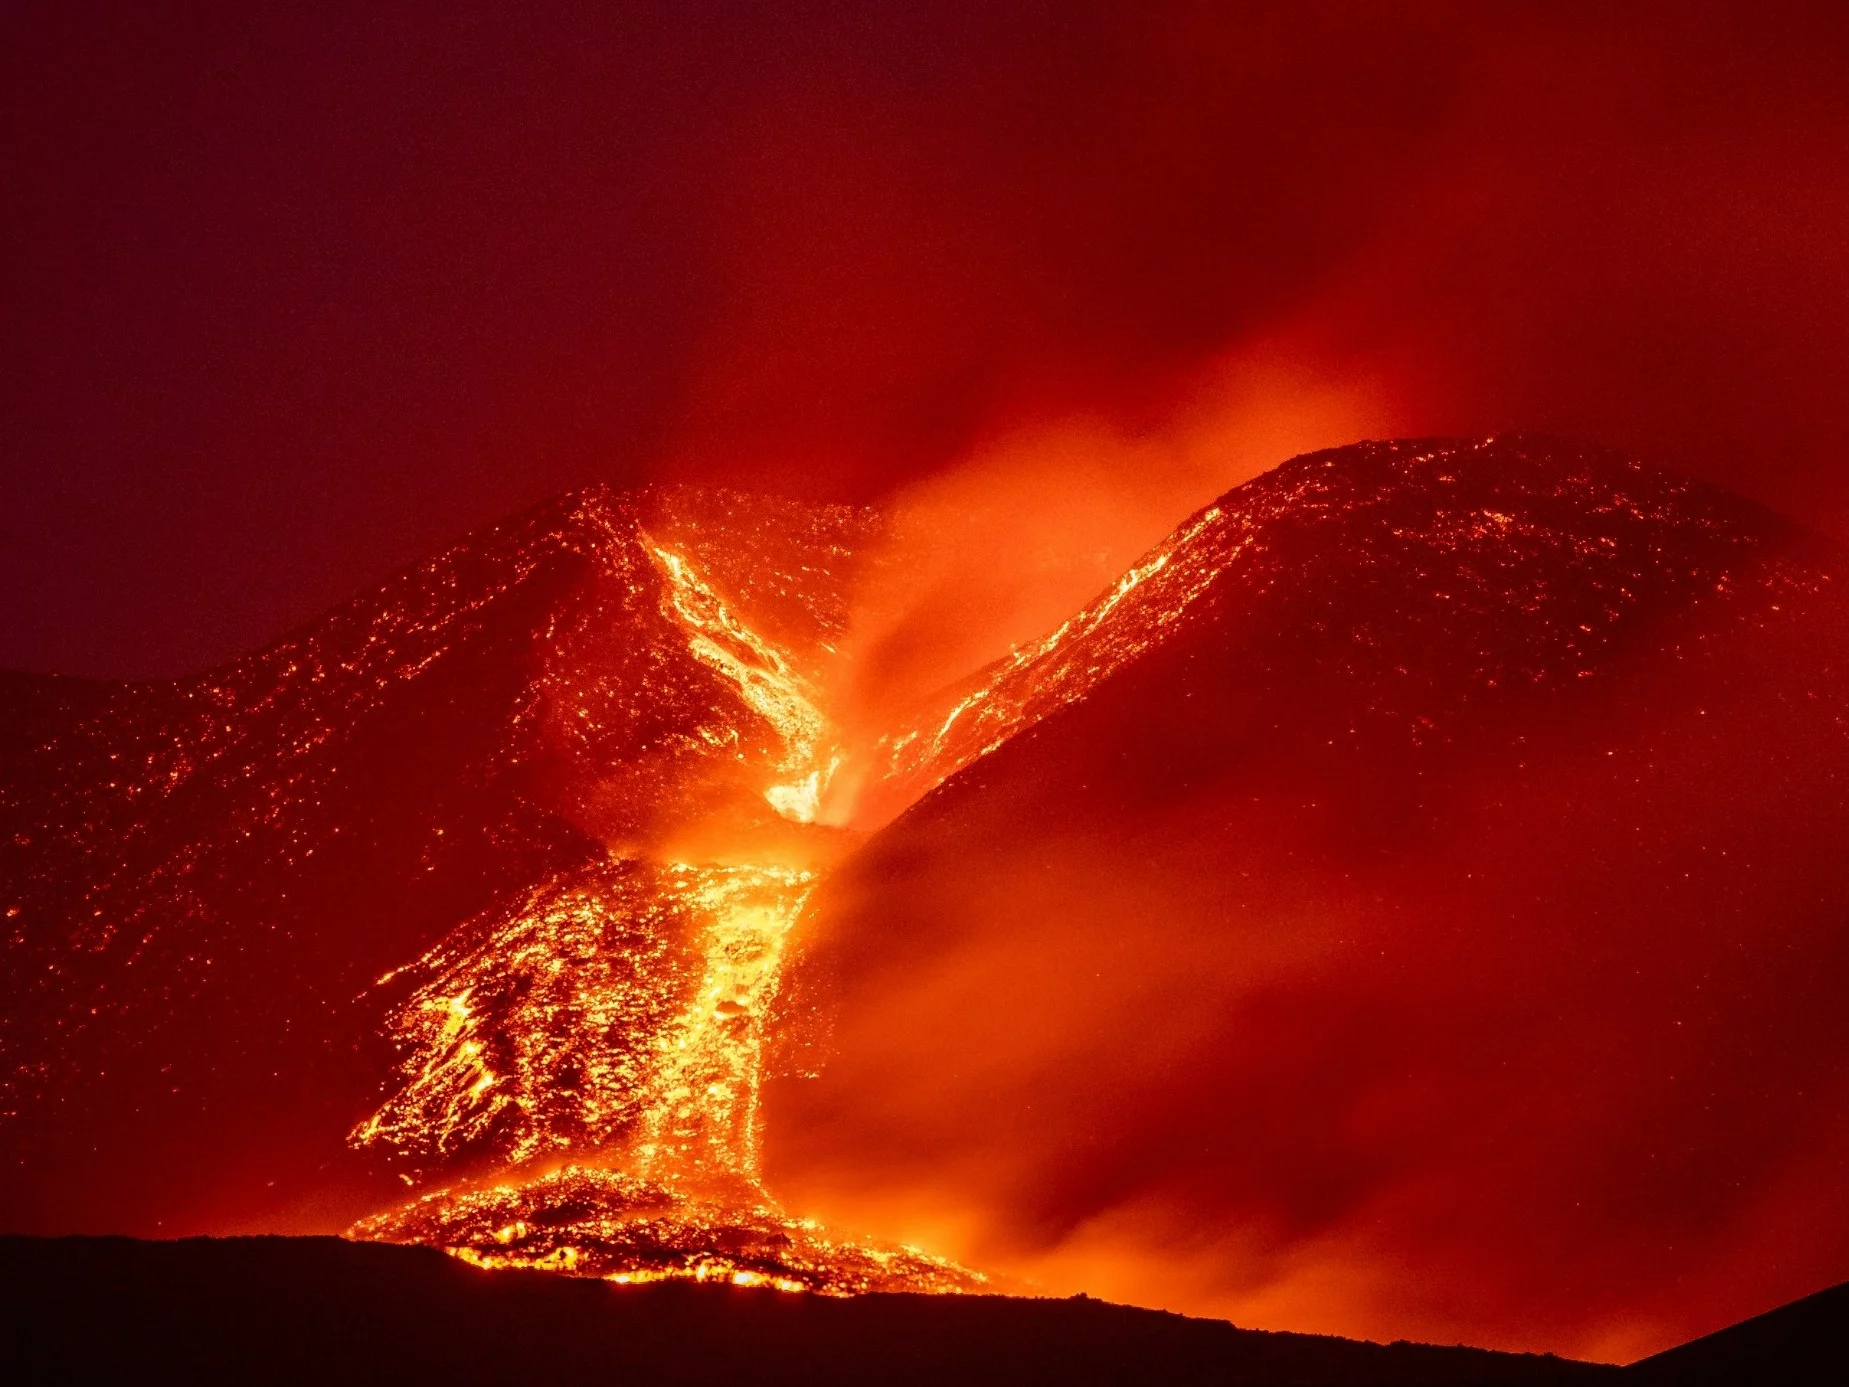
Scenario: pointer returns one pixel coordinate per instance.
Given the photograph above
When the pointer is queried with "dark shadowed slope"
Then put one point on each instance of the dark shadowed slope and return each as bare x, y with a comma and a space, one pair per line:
206, 882
1804, 1344
319, 1310
1414, 900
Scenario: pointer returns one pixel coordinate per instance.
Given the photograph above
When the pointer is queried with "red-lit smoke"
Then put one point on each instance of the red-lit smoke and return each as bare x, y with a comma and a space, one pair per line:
299, 299
1435, 934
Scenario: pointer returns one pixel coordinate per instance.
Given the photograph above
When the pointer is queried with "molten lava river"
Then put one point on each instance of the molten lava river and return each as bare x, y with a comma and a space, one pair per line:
649, 980
604, 1042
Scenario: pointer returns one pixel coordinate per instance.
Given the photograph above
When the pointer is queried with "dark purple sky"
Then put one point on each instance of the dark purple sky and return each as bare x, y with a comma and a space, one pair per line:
296, 293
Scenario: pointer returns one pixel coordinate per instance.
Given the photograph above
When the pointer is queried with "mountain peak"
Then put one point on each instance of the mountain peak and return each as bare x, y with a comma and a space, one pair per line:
1522, 559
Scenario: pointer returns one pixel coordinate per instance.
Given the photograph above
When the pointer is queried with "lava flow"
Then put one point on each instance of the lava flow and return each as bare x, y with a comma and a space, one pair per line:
603, 1041
1408, 902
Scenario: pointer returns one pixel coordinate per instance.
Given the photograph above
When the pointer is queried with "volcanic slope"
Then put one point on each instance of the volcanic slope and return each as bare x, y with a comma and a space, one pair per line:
1413, 900
227, 896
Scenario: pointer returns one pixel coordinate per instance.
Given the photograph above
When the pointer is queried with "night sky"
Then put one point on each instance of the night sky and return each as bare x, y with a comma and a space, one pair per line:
296, 294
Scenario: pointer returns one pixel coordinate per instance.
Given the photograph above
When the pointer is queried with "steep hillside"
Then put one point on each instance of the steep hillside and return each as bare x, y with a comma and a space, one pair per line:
216, 888
1413, 899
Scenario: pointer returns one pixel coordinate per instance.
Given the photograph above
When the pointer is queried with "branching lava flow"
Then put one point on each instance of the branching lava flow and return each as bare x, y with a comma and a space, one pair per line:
602, 1043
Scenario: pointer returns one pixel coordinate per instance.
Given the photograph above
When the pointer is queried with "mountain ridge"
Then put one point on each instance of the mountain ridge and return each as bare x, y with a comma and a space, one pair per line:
1384, 734
1404, 858
1554, 485
219, 1309
326, 809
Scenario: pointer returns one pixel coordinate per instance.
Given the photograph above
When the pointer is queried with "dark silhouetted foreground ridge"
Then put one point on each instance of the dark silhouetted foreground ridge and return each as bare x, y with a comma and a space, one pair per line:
252, 1310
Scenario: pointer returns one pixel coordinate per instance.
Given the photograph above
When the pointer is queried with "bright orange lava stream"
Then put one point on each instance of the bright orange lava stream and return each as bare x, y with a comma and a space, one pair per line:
648, 984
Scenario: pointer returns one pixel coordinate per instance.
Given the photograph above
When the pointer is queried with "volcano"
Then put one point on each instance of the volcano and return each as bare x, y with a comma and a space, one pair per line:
1410, 900
450, 817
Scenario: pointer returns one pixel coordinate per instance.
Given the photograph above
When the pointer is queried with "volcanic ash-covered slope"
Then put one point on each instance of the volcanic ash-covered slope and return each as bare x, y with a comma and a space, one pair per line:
1413, 899
207, 882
